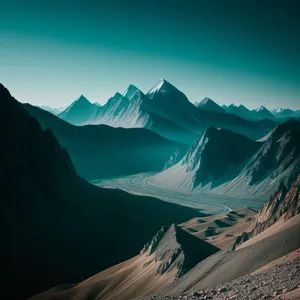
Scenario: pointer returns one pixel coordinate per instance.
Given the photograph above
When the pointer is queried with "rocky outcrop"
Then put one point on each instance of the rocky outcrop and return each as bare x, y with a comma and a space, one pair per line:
285, 202
273, 283
175, 158
177, 250
280, 152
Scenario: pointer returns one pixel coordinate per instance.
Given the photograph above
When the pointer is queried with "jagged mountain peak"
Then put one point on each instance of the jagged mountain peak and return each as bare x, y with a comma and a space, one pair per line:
131, 91
82, 99
210, 165
79, 112
280, 154
174, 248
241, 106
206, 100
162, 86
283, 112
261, 108
118, 95
209, 105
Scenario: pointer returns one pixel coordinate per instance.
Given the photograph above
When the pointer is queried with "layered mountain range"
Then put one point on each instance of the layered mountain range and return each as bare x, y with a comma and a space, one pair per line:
56, 227
100, 151
79, 111
224, 162
260, 113
165, 110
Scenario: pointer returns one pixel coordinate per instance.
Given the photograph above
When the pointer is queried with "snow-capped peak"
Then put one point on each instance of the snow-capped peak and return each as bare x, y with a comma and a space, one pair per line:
209, 105
162, 86
261, 108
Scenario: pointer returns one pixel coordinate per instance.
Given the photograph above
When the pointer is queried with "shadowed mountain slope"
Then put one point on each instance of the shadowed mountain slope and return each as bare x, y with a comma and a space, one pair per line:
224, 162
216, 157
171, 253
99, 151
209, 105
79, 112
56, 227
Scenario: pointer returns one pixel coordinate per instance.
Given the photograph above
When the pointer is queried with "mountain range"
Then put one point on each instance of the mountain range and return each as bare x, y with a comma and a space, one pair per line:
224, 162
261, 113
56, 227
59, 230
54, 110
100, 151
164, 110
79, 111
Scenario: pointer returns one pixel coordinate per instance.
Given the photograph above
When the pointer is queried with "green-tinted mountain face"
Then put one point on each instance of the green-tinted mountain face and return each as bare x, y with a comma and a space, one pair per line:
100, 151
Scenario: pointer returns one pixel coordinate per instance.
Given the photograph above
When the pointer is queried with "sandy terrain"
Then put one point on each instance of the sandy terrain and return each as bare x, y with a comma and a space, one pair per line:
169, 254
279, 226
281, 260
221, 230
279, 282
119, 282
225, 266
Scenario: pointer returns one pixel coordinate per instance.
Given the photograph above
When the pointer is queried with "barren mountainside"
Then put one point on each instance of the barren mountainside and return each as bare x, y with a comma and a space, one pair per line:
56, 226
224, 162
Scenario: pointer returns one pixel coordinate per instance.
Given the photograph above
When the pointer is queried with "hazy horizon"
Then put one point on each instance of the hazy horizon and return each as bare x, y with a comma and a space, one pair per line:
145, 92
233, 52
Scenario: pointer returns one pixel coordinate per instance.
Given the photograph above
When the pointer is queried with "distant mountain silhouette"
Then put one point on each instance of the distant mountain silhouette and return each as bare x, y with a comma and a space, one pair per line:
209, 105
240, 111
56, 227
53, 110
167, 111
99, 151
284, 113
79, 112
262, 113
259, 113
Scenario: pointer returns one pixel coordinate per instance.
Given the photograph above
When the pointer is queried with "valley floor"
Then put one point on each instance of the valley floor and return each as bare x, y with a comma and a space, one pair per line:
141, 184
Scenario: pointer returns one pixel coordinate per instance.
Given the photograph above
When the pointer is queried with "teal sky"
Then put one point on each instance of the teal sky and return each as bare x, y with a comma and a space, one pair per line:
231, 51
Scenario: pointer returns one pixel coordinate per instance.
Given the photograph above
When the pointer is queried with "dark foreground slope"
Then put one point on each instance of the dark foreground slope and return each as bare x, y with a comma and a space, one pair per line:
55, 226
99, 151
171, 253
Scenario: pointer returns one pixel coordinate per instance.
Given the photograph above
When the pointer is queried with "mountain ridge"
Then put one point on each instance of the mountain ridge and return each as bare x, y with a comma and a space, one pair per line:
55, 224
167, 111
98, 150
256, 170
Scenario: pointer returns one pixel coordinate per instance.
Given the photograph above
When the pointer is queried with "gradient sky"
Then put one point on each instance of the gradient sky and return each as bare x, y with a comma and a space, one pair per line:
231, 51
